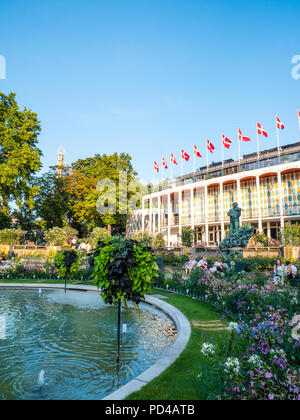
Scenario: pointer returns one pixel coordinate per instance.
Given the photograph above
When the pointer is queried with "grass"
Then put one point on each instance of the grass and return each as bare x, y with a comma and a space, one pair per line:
180, 381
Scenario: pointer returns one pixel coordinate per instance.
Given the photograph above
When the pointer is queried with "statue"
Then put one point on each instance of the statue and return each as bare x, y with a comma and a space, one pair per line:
234, 214
239, 237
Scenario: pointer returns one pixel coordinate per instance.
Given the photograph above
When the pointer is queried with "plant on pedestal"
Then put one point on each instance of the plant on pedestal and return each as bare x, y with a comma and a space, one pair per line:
123, 271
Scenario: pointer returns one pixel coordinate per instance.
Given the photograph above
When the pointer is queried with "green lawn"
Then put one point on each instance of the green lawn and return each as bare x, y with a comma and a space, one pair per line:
180, 381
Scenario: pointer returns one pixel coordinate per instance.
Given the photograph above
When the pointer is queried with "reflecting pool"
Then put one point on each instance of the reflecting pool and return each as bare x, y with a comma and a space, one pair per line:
55, 346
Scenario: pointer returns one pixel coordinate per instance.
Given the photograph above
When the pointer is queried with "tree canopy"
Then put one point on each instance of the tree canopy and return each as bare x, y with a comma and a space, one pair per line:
86, 184
20, 157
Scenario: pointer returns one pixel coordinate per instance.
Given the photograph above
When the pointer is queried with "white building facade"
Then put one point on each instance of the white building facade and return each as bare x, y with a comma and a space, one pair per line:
269, 196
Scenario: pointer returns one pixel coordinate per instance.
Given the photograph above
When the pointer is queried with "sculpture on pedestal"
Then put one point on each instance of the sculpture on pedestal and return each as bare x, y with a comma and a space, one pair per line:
239, 237
234, 214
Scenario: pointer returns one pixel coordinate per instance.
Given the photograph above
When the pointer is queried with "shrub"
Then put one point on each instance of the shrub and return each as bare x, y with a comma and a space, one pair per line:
159, 240
144, 237
188, 237
98, 234
67, 263
70, 233
56, 236
10, 236
291, 234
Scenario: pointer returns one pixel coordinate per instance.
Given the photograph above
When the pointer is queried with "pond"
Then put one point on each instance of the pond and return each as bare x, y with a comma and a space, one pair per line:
57, 346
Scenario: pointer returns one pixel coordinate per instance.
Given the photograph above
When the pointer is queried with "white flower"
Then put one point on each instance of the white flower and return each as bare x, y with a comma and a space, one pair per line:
255, 361
208, 349
232, 366
233, 326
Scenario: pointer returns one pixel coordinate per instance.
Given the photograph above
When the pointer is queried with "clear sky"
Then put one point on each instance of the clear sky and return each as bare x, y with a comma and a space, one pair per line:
149, 77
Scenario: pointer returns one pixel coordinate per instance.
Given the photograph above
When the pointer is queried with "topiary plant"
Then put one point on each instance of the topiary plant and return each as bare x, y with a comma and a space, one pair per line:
123, 270
67, 263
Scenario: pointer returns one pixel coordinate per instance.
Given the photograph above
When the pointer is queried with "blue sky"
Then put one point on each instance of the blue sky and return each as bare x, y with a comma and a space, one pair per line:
149, 77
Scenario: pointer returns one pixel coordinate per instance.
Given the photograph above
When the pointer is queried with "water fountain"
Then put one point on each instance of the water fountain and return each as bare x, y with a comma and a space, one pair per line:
41, 379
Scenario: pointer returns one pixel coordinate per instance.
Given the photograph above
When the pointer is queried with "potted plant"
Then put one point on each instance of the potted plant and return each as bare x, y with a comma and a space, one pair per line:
67, 263
123, 270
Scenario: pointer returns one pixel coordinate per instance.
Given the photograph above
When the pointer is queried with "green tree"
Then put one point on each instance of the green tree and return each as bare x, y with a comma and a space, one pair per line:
291, 234
20, 157
51, 204
5, 220
188, 237
85, 188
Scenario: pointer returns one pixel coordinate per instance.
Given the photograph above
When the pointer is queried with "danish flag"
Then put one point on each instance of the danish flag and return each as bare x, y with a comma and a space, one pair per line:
226, 142
279, 123
196, 151
173, 160
299, 117
242, 137
164, 163
184, 155
261, 131
156, 167
210, 146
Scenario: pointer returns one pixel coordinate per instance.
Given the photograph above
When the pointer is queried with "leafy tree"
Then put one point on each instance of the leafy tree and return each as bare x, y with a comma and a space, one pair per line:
5, 220
98, 234
188, 237
291, 234
86, 186
20, 157
51, 204
24, 218
10, 236
59, 236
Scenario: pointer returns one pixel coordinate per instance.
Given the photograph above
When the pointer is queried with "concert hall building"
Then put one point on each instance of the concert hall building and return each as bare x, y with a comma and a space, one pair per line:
267, 190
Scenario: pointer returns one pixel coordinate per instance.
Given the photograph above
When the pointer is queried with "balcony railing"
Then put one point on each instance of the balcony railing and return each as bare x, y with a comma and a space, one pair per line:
266, 212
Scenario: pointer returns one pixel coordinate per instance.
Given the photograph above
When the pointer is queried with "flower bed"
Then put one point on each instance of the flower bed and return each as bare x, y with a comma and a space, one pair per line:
262, 358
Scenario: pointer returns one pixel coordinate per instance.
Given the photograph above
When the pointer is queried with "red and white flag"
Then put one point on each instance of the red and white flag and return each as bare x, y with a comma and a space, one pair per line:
261, 131
210, 146
196, 152
226, 142
279, 123
173, 160
242, 137
164, 163
185, 155
299, 117
156, 167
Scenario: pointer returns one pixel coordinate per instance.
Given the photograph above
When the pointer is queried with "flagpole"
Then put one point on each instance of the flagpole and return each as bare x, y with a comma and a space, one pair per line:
171, 168
181, 166
222, 157
153, 179
239, 142
278, 144
207, 157
194, 163
257, 140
